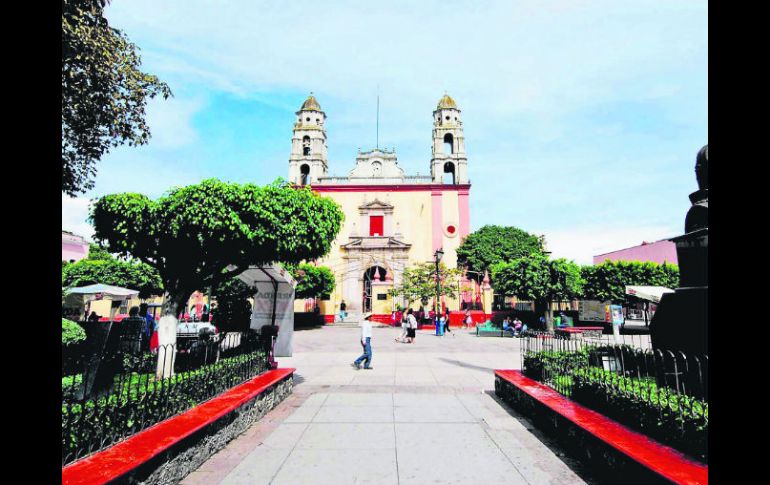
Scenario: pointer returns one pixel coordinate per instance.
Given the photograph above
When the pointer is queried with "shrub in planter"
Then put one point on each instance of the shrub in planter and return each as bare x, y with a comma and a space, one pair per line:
71, 332
677, 420
73, 338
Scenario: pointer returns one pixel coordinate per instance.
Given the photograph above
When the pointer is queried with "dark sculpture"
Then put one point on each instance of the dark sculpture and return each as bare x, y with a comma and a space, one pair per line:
681, 320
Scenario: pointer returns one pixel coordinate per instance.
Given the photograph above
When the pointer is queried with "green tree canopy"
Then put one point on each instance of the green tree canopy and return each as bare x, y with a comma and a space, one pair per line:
98, 253
312, 281
127, 274
607, 281
103, 95
491, 245
419, 282
200, 235
538, 279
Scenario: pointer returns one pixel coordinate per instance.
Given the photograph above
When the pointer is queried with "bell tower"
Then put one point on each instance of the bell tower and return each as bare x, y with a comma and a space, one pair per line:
307, 161
448, 164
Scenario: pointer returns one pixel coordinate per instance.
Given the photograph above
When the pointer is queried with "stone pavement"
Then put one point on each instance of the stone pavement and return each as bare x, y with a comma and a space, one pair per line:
426, 413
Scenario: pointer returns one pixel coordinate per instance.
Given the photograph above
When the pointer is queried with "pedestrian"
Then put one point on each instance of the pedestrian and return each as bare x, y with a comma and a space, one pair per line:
446, 323
467, 320
366, 343
411, 326
507, 327
343, 314
404, 327
94, 317
149, 326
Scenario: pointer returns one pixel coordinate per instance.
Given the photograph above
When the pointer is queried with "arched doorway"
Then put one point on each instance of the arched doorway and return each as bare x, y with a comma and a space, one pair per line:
374, 273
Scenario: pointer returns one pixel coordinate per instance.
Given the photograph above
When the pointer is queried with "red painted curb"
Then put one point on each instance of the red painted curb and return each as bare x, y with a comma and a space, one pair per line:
655, 456
129, 454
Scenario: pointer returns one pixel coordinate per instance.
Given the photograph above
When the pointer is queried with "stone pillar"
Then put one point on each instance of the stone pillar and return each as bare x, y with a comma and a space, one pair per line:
351, 287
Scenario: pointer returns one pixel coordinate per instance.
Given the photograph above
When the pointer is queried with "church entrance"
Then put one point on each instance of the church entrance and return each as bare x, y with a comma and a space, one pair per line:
375, 273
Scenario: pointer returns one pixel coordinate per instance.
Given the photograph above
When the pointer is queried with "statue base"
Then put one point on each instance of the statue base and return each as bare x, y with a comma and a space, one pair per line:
681, 321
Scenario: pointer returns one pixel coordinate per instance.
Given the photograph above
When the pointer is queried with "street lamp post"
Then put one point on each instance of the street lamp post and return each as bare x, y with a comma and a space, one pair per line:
438, 255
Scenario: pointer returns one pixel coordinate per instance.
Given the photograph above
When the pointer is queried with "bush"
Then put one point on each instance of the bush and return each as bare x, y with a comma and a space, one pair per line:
71, 333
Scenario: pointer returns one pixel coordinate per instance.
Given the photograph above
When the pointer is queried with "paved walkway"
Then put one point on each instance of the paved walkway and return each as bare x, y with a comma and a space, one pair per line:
425, 414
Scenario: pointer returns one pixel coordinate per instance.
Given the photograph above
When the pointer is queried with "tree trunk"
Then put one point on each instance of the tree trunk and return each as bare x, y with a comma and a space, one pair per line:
173, 303
544, 308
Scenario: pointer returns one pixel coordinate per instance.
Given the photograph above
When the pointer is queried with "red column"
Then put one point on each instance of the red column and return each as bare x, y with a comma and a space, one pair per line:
465, 215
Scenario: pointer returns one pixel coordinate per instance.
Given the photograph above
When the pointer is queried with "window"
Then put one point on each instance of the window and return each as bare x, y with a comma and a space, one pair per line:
304, 170
375, 225
306, 145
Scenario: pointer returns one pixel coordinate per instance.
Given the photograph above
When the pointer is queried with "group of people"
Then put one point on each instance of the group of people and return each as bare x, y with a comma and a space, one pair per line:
515, 327
149, 325
409, 326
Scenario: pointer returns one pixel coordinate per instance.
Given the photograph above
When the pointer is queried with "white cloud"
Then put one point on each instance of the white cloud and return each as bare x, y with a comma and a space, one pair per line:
582, 243
170, 121
74, 212
499, 58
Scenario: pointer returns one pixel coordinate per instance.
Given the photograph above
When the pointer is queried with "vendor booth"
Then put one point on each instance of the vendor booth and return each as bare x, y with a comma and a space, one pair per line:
643, 301
273, 303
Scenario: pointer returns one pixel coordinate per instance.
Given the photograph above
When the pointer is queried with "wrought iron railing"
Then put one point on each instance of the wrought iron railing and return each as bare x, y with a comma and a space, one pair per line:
108, 396
663, 393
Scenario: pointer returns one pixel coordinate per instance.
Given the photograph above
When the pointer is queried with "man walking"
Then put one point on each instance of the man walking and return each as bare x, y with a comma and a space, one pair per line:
366, 342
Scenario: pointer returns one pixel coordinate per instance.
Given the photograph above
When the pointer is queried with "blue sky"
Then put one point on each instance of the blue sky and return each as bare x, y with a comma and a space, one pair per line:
582, 119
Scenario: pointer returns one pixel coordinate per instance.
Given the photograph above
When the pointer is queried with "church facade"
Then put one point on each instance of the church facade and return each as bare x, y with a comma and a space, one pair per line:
392, 220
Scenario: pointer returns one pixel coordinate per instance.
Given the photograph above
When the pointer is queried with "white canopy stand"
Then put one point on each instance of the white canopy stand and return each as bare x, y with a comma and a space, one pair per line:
649, 293
273, 303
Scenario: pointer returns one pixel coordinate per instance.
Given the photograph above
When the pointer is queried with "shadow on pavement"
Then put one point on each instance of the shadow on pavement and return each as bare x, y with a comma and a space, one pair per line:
576, 466
463, 364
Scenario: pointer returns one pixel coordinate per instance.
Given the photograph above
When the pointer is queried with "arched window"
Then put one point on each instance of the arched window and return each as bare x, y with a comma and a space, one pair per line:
449, 146
306, 145
304, 170
449, 173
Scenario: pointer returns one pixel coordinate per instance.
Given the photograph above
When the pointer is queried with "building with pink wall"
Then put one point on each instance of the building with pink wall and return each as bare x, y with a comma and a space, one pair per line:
663, 251
73, 247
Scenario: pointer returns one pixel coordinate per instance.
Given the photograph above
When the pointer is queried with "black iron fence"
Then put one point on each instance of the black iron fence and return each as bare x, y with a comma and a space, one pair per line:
113, 388
662, 393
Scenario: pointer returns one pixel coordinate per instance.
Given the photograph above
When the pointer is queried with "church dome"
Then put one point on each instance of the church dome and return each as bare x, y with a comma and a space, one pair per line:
311, 104
446, 102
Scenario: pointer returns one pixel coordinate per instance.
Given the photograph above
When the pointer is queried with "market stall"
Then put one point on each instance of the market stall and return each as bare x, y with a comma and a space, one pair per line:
273, 303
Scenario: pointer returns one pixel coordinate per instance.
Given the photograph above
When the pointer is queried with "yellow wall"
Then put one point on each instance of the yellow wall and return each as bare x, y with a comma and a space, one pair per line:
412, 218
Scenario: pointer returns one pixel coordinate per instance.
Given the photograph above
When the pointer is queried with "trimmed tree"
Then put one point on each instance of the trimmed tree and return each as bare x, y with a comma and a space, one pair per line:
312, 281
127, 274
608, 281
104, 94
539, 279
98, 253
201, 235
418, 283
491, 245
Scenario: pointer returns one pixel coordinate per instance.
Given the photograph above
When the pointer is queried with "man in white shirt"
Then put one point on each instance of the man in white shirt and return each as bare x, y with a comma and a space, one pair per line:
366, 342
